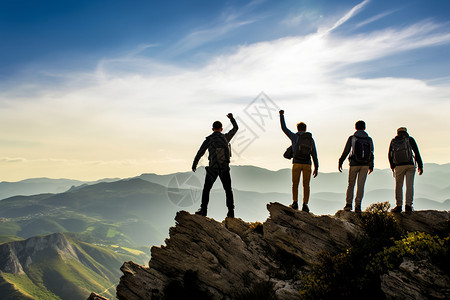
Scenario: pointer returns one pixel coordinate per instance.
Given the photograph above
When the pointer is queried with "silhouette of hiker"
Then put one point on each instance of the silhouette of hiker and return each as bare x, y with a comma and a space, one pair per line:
303, 148
360, 147
219, 150
403, 166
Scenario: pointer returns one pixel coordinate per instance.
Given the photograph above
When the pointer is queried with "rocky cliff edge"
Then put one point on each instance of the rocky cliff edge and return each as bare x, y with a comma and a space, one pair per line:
228, 259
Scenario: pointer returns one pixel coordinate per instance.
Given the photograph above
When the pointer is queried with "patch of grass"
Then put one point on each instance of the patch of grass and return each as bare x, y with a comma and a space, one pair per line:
8, 227
112, 233
9, 238
134, 251
27, 288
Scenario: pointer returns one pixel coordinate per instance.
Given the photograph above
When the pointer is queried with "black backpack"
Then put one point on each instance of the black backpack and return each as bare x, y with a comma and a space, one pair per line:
219, 150
362, 152
304, 147
401, 151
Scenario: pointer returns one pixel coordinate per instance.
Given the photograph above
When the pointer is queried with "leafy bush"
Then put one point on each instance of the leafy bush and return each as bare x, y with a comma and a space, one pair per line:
355, 272
379, 223
416, 245
256, 227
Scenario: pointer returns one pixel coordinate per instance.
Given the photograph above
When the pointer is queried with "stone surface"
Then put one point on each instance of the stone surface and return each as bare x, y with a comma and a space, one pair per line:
416, 280
94, 296
305, 235
14, 256
428, 221
230, 258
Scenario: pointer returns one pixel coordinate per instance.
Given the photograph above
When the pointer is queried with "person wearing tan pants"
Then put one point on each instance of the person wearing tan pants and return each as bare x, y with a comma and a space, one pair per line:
303, 148
403, 156
360, 147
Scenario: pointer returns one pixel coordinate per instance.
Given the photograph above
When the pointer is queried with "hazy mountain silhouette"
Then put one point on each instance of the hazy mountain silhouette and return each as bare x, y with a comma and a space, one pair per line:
34, 186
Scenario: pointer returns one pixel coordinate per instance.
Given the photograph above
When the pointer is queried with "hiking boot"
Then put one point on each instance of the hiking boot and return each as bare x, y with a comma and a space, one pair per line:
357, 208
230, 213
294, 205
408, 208
348, 207
201, 212
305, 207
397, 209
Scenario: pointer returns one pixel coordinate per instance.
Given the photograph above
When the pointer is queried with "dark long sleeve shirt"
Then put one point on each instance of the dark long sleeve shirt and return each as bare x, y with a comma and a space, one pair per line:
294, 139
205, 145
348, 150
417, 158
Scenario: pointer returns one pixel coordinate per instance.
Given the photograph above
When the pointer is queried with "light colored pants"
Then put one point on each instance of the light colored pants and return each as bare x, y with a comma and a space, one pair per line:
297, 170
402, 172
355, 172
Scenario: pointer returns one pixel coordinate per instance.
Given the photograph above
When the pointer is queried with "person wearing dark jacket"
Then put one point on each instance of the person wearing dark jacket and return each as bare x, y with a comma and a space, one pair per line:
301, 161
219, 150
403, 165
360, 147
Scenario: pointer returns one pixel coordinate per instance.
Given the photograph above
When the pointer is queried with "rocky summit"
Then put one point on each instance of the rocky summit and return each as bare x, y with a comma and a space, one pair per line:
232, 259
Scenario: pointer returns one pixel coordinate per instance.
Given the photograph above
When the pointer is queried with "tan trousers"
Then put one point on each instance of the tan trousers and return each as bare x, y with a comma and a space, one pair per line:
401, 173
297, 170
355, 172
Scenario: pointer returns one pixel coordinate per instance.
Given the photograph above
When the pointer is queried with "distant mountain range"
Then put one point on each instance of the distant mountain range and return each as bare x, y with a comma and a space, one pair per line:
130, 215
36, 186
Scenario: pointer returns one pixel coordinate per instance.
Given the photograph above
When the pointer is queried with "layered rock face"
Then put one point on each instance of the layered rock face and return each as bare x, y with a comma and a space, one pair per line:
229, 259
16, 256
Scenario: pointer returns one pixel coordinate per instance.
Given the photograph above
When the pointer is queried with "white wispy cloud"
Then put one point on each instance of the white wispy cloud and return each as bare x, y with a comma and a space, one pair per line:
376, 18
347, 16
130, 107
230, 20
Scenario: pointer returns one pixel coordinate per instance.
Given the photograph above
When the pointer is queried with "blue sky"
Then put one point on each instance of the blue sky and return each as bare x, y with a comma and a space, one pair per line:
93, 89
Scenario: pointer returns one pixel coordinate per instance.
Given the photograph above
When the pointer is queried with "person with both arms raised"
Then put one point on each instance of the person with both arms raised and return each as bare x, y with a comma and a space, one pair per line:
219, 150
303, 148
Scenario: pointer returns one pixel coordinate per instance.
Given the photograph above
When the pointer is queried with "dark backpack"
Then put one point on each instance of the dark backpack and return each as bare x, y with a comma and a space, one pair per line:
401, 151
362, 152
219, 150
304, 147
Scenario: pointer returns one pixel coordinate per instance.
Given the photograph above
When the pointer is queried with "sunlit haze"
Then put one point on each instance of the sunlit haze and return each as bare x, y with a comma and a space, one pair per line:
116, 89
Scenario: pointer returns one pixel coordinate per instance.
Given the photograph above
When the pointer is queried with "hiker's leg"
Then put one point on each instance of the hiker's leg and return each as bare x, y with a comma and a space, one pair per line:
225, 178
409, 174
306, 179
399, 178
352, 172
296, 171
210, 178
362, 175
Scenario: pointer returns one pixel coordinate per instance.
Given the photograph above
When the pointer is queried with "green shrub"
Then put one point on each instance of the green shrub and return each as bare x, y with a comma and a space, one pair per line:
256, 227
379, 223
355, 273
416, 245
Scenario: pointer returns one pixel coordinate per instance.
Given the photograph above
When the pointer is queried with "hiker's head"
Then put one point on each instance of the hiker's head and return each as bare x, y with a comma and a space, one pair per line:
402, 129
360, 125
301, 126
217, 126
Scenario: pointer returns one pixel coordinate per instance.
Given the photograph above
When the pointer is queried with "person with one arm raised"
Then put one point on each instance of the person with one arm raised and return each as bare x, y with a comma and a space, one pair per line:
219, 150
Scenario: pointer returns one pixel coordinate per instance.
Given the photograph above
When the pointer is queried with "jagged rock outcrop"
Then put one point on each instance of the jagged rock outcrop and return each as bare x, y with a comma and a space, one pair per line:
229, 259
94, 296
416, 280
